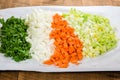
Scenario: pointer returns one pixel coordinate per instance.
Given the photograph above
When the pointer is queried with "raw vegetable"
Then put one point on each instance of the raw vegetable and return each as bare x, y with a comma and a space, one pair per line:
39, 22
13, 43
95, 31
68, 47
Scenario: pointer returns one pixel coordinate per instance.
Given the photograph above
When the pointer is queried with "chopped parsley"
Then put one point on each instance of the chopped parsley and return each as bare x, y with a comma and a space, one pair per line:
13, 42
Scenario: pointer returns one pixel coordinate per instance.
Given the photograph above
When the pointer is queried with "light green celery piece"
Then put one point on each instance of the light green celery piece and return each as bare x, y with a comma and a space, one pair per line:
95, 31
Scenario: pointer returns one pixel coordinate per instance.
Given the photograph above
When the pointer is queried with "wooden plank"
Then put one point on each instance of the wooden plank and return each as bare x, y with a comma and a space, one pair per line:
46, 2
69, 76
116, 2
96, 2
73, 2
9, 75
18, 3
5, 3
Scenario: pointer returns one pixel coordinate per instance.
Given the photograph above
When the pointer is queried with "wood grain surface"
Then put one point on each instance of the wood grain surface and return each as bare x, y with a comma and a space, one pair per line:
21, 75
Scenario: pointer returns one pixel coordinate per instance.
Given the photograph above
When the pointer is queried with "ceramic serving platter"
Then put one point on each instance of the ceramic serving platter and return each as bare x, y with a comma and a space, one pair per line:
107, 62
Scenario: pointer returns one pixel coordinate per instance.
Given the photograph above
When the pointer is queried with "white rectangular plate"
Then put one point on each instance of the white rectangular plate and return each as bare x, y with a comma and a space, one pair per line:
107, 62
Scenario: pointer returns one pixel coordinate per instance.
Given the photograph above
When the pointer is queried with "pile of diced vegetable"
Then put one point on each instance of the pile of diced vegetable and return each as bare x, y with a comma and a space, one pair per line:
95, 31
13, 43
55, 39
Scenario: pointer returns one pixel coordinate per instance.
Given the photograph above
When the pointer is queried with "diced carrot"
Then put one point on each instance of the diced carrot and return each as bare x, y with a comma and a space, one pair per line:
68, 47
80, 56
49, 62
63, 65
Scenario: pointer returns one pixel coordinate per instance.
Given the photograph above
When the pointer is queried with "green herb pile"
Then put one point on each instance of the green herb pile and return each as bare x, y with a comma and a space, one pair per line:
13, 43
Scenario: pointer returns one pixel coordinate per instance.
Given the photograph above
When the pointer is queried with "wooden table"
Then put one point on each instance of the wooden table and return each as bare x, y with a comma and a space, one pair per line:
20, 75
